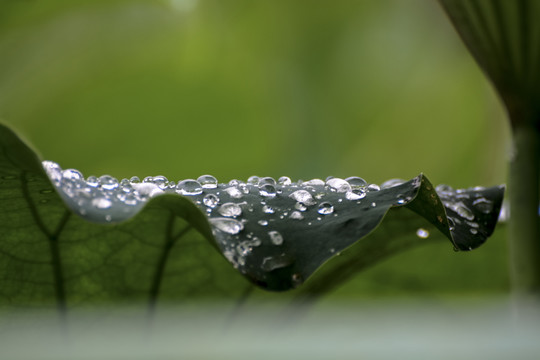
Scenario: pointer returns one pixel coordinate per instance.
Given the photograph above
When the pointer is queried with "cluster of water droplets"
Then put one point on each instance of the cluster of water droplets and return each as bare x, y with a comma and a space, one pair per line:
462, 205
106, 199
245, 215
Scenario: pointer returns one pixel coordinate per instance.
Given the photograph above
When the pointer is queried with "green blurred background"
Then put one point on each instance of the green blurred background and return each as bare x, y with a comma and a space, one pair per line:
373, 88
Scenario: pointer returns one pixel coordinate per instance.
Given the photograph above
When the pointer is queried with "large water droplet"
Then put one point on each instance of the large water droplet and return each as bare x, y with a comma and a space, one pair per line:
207, 181
356, 194
189, 187
211, 200
229, 226
325, 208
356, 182
338, 185
304, 197
422, 233
483, 205
275, 237
108, 182
296, 215
267, 190
230, 209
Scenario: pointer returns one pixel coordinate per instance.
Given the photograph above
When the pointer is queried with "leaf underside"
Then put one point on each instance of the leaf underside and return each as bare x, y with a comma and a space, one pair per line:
170, 250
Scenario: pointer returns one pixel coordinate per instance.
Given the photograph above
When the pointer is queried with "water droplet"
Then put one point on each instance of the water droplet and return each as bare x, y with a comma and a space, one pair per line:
443, 188
262, 222
325, 208
297, 279
373, 187
267, 190
160, 181
314, 182
304, 197
244, 248
473, 231
134, 180
101, 203
46, 191
356, 182
460, 209
53, 170
296, 215
275, 237
373, 204
300, 206
266, 180
400, 199
207, 181
284, 180
189, 187
483, 205
108, 217
268, 209
230, 209
355, 194
108, 182
422, 233
229, 226
391, 183
210, 200
147, 190
253, 180
275, 262
234, 192
339, 185
72, 175
130, 199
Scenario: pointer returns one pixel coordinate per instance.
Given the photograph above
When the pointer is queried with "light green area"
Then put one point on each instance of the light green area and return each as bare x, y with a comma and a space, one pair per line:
236, 88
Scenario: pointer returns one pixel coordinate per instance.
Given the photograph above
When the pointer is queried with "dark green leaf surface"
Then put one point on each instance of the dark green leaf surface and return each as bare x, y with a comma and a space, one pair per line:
169, 250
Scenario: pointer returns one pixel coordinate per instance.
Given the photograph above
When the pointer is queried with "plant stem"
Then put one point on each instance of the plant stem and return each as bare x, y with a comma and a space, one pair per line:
524, 224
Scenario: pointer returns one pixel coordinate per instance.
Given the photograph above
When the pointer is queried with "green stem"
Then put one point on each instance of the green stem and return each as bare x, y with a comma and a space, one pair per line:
524, 225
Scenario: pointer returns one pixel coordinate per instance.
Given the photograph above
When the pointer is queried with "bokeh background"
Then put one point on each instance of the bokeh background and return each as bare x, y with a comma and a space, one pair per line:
375, 88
